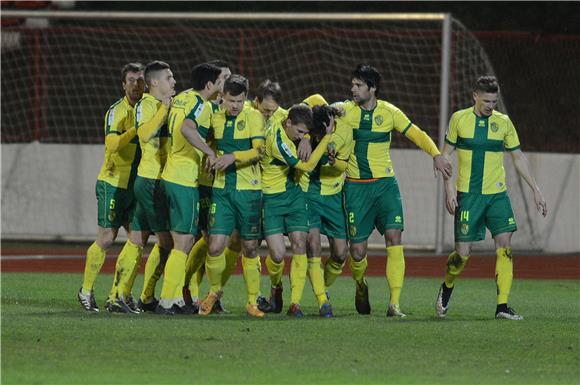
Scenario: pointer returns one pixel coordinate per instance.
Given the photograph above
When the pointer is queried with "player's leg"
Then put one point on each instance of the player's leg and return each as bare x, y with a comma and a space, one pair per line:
232, 251
275, 265
359, 201
501, 222
298, 271
336, 260
194, 270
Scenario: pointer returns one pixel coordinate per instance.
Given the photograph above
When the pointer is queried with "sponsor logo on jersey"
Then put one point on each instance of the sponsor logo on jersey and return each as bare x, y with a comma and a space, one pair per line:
398, 219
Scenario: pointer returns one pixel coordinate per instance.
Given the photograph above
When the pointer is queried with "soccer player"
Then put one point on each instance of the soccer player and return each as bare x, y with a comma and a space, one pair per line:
267, 101
284, 205
481, 135
180, 180
323, 189
114, 188
238, 132
371, 191
151, 213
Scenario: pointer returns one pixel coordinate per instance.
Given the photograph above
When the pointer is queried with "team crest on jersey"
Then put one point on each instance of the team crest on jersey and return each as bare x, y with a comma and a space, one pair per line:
241, 125
352, 231
494, 127
464, 229
379, 120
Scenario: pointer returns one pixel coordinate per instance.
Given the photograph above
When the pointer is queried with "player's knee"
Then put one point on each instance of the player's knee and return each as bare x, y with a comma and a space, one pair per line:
105, 238
358, 251
215, 248
299, 246
393, 237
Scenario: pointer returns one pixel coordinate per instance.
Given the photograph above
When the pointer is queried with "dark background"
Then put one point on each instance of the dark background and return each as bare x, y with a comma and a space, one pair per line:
534, 48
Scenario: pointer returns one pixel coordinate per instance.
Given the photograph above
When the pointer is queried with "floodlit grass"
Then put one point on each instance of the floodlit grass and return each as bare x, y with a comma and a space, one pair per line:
47, 338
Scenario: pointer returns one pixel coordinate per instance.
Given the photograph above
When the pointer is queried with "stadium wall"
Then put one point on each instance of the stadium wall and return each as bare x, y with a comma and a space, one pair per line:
48, 193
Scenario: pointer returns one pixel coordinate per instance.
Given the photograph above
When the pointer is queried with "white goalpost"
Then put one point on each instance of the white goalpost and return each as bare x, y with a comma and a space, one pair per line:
60, 75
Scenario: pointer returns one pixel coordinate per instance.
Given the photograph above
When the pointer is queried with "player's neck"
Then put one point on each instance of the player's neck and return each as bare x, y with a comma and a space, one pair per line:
156, 94
369, 104
477, 112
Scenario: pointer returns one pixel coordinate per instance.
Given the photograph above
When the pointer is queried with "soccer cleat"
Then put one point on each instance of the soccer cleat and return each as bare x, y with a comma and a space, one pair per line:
195, 306
443, 297
395, 311
218, 307
361, 298
120, 306
263, 304
294, 311
276, 301
149, 306
130, 301
253, 311
87, 301
207, 304
326, 310
505, 312
165, 311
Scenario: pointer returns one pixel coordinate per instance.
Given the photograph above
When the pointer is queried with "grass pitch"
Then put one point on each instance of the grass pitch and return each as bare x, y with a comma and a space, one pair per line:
48, 339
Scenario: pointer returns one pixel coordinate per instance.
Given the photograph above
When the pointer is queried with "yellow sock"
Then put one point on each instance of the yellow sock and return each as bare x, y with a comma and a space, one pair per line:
298, 277
231, 264
134, 270
153, 270
251, 268
316, 275
173, 275
195, 259
358, 269
275, 270
195, 282
395, 272
93, 264
504, 273
332, 270
455, 265
119, 263
214, 267
129, 256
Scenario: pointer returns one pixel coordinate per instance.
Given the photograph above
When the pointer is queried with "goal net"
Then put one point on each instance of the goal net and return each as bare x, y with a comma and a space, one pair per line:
59, 78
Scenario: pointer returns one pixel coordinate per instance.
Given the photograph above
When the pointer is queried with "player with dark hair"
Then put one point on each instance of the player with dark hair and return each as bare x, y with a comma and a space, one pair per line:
180, 180
371, 190
114, 187
284, 207
480, 134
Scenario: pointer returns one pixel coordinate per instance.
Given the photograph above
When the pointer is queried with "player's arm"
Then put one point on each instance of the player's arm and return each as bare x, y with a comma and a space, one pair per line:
450, 192
314, 157
114, 140
241, 158
425, 143
523, 168
149, 129
190, 132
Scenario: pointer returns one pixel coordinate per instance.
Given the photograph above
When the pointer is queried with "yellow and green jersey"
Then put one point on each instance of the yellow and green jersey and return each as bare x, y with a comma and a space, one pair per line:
206, 177
120, 167
183, 162
280, 157
371, 157
235, 133
480, 142
326, 179
154, 151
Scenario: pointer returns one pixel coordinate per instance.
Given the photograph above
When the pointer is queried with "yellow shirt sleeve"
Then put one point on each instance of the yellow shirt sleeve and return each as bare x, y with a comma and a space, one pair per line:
422, 140
511, 141
149, 120
115, 142
401, 122
451, 136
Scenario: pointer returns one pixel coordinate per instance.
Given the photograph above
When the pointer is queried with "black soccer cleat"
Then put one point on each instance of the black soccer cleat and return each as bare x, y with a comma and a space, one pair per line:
361, 298
443, 297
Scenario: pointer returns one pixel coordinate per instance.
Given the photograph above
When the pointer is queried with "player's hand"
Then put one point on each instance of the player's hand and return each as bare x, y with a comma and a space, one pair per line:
209, 162
441, 164
451, 202
540, 203
330, 126
224, 162
304, 149
331, 149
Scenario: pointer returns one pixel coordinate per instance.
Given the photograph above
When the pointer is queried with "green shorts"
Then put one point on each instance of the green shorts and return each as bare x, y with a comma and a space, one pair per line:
376, 204
285, 212
236, 209
204, 205
326, 212
475, 212
183, 202
151, 211
115, 205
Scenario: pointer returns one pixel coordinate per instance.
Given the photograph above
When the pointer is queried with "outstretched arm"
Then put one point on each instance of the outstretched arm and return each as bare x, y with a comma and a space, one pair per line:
523, 168
424, 142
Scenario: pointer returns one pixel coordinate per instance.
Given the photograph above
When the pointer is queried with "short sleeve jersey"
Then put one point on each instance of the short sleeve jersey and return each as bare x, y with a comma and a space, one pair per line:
325, 179
154, 152
183, 162
119, 168
278, 162
480, 142
235, 133
370, 157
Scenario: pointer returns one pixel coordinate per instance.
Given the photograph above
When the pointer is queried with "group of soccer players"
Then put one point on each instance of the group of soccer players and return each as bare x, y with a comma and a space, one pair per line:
213, 174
